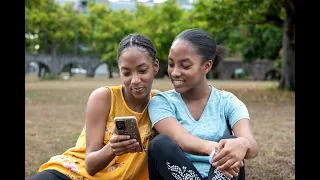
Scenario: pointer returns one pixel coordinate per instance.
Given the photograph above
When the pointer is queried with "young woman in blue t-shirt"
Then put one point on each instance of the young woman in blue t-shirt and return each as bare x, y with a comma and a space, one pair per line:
192, 119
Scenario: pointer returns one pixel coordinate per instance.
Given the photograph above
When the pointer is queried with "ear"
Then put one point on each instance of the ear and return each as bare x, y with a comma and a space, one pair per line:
156, 67
207, 66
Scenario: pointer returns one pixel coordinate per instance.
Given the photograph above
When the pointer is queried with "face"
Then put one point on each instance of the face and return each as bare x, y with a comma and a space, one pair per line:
185, 67
137, 71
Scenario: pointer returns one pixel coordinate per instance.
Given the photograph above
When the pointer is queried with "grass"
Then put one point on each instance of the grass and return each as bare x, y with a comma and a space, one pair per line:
55, 112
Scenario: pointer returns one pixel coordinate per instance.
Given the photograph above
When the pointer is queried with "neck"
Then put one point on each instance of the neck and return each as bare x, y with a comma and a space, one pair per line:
199, 92
137, 105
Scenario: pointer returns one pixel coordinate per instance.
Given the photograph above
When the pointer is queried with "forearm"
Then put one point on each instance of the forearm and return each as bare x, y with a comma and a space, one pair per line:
98, 160
195, 145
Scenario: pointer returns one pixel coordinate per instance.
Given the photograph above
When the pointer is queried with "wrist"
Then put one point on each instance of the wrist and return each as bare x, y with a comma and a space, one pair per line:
212, 155
245, 142
210, 147
109, 151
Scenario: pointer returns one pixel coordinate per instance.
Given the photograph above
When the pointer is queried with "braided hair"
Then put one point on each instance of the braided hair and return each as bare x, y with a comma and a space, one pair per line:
137, 40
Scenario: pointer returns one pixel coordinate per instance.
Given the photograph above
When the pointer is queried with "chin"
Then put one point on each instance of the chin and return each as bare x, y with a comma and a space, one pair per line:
179, 89
140, 96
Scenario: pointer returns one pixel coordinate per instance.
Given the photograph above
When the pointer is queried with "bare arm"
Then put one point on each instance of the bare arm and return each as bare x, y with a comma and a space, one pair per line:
188, 142
98, 155
242, 129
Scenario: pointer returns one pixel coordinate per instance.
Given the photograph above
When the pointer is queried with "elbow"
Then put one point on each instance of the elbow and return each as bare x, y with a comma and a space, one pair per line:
91, 171
256, 151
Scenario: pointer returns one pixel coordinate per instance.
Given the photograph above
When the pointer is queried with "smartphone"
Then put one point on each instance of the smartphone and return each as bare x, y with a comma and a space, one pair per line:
128, 125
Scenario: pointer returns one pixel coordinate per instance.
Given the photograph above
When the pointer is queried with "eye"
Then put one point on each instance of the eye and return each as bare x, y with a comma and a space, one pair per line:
186, 67
170, 65
125, 74
143, 71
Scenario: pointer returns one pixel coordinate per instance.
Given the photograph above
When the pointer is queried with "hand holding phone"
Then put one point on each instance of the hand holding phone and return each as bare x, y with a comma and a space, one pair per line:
128, 125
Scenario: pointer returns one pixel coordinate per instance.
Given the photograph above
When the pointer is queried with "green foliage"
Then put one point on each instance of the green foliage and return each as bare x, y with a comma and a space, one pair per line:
163, 22
107, 29
251, 28
263, 42
54, 24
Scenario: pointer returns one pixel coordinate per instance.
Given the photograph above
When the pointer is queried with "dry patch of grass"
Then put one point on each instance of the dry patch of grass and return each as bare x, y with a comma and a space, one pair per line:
55, 112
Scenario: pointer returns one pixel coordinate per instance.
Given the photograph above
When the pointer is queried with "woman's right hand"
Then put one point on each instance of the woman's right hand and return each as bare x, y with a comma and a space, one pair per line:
122, 144
233, 170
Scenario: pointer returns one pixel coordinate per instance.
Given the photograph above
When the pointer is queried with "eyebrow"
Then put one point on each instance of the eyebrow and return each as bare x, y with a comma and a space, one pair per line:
140, 65
182, 60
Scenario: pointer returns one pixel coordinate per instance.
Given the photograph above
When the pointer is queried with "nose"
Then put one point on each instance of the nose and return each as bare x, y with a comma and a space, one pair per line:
135, 79
174, 72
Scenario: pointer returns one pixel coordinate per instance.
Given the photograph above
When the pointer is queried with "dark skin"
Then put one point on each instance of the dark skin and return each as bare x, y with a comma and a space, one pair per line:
137, 71
187, 72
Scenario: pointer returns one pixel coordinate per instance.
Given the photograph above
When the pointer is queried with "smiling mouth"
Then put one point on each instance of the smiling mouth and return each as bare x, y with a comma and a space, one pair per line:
137, 89
177, 82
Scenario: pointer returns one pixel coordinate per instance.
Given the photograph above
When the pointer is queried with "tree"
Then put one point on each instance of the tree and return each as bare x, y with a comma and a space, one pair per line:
161, 23
54, 24
225, 14
107, 29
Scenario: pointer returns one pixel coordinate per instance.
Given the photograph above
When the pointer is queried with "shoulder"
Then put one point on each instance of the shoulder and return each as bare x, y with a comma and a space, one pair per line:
228, 100
168, 96
101, 91
155, 92
222, 93
100, 94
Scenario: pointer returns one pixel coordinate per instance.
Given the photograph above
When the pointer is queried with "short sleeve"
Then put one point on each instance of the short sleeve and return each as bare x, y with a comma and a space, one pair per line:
159, 108
235, 110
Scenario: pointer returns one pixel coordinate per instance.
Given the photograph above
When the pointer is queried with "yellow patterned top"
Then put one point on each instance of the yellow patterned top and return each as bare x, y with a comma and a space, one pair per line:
133, 166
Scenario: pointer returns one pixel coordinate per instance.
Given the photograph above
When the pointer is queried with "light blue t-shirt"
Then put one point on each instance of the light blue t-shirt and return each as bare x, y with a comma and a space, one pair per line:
212, 125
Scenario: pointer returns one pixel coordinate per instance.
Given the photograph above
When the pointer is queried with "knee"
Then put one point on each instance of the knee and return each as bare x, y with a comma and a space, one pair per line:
162, 144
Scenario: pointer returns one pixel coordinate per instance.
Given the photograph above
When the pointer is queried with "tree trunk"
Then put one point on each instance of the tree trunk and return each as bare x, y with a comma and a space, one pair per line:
70, 70
287, 80
40, 70
54, 71
110, 70
75, 48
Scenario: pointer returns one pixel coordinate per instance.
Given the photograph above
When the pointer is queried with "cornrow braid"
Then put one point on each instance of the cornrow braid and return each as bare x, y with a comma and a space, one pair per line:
137, 40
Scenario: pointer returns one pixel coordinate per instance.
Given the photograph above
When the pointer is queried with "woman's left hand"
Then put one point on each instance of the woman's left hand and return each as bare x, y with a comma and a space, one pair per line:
230, 153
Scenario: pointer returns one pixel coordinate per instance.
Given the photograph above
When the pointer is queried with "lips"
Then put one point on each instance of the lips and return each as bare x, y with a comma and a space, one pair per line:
176, 82
137, 89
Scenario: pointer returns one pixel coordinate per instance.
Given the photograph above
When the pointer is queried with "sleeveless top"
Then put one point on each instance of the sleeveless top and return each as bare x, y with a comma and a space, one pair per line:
127, 166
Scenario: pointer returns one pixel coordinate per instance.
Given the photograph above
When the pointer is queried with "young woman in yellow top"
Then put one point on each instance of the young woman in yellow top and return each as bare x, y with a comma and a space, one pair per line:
99, 152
